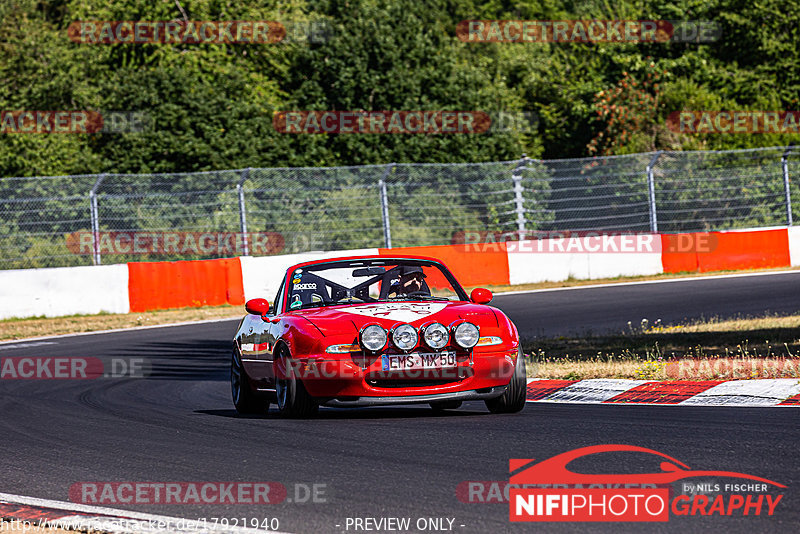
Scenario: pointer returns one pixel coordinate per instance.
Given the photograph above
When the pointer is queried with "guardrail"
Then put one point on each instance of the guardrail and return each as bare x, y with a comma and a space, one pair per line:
139, 286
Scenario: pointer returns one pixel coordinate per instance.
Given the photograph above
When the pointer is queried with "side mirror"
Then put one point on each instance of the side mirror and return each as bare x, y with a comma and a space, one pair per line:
257, 306
480, 295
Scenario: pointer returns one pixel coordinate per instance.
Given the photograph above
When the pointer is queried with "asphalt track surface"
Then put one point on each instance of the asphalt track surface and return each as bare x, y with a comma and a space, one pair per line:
178, 424
608, 309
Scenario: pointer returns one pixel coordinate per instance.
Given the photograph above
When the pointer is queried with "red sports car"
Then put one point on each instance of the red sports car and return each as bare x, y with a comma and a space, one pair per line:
375, 330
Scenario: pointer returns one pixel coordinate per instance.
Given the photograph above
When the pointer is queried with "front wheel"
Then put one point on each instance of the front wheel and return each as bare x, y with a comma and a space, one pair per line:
244, 399
513, 400
293, 399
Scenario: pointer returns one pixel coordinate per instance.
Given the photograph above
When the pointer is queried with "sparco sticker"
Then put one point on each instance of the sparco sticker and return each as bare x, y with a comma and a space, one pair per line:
301, 287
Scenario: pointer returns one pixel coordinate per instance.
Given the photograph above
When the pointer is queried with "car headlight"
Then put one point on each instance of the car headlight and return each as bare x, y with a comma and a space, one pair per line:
466, 335
405, 337
373, 337
435, 336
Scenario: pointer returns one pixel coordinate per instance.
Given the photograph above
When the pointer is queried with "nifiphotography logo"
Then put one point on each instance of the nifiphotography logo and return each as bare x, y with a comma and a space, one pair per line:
549, 491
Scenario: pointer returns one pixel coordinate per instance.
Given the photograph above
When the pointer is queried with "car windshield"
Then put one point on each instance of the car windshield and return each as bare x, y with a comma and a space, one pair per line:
378, 280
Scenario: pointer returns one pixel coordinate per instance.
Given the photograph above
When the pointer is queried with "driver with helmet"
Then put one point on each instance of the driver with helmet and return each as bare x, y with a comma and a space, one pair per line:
412, 280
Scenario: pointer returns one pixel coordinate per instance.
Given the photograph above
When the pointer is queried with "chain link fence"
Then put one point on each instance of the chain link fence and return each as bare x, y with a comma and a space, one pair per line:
93, 219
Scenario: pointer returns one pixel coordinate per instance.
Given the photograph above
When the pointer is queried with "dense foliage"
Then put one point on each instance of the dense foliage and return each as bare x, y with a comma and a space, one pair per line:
212, 104
211, 107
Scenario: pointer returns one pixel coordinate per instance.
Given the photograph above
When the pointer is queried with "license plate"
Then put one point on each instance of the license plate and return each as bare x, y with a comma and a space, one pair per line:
402, 362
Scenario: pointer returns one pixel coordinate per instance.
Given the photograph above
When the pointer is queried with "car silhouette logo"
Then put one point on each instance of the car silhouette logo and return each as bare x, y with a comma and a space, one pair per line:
554, 470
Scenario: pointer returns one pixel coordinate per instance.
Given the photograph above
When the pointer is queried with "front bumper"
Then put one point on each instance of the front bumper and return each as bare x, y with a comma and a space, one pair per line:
475, 376
352, 402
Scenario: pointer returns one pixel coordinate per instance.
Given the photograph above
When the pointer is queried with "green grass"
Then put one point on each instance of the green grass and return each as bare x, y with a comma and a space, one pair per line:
755, 347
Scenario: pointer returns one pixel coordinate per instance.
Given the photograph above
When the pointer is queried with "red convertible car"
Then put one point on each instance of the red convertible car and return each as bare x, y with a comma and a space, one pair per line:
375, 330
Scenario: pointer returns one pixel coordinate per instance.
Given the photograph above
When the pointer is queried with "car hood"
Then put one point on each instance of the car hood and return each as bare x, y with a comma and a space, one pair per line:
336, 319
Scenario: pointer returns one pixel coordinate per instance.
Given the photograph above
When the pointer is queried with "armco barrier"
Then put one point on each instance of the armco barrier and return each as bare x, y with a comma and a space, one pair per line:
63, 291
677, 260
721, 251
184, 284
794, 245
137, 287
528, 267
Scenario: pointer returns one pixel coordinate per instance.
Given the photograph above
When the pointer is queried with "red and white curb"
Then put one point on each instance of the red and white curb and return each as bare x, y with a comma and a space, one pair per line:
30, 512
759, 392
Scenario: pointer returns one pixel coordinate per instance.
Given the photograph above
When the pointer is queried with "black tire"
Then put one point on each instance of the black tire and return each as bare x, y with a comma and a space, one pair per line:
245, 400
513, 400
445, 405
292, 398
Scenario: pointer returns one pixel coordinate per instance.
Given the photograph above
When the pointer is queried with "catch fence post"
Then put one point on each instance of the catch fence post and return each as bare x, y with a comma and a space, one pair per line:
786, 189
387, 231
651, 190
95, 219
242, 213
519, 199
